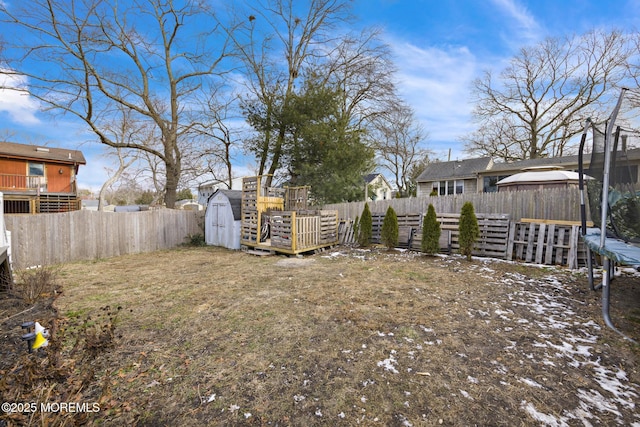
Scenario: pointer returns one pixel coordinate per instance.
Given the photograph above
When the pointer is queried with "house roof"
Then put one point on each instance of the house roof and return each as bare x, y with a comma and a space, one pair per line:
470, 168
520, 165
372, 176
455, 169
35, 152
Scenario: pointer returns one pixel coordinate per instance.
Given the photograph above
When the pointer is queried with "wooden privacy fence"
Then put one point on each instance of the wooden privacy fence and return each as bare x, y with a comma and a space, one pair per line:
493, 239
549, 204
529, 240
47, 239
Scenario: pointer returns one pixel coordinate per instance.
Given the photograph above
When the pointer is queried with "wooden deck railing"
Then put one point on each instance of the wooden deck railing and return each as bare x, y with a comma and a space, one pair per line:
31, 184
22, 182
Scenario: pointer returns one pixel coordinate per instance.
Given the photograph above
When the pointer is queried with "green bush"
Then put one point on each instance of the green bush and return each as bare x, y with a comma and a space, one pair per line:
196, 240
389, 232
430, 232
365, 227
468, 229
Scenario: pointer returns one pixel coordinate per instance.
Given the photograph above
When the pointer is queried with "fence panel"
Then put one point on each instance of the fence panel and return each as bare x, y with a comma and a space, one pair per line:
549, 204
46, 239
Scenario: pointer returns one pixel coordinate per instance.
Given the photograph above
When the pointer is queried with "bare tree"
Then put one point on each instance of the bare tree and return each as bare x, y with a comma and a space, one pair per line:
634, 73
399, 143
123, 164
362, 68
278, 40
540, 100
88, 58
218, 139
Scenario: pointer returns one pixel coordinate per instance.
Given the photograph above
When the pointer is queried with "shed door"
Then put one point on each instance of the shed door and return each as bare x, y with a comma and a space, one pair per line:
217, 223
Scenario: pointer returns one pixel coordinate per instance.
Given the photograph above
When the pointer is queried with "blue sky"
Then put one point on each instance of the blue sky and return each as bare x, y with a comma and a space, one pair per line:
439, 47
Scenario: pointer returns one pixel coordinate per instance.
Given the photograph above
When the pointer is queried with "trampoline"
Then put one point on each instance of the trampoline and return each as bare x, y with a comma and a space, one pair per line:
615, 236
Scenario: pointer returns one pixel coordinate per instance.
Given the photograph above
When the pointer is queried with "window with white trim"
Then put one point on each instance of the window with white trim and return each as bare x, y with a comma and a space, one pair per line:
36, 169
447, 188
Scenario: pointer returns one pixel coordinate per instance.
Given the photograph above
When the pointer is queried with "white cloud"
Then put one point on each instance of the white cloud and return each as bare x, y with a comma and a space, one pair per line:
16, 101
521, 23
436, 82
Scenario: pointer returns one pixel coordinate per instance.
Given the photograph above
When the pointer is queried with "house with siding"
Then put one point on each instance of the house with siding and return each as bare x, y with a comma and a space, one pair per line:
39, 179
377, 187
481, 175
453, 177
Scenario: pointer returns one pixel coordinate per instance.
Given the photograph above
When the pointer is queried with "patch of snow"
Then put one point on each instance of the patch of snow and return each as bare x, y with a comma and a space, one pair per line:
546, 419
465, 394
404, 420
610, 381
530, 382
594, 399
388, 364
512, 346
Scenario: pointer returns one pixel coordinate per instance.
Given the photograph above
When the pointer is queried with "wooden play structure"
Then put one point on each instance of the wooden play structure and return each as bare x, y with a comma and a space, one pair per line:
279, 220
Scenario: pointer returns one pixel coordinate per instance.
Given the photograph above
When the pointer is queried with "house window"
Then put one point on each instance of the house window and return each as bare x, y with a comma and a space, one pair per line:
36, 169
445, 188
490, 183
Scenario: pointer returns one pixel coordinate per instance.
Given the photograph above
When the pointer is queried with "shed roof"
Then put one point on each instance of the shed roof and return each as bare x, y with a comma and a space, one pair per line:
455, 169
235, 200
27, 152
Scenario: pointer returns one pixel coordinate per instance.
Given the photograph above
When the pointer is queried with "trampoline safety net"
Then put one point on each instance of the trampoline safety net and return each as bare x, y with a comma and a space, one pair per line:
623, 221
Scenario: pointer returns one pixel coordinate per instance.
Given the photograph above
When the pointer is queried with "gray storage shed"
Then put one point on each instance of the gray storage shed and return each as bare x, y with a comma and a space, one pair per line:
222, 219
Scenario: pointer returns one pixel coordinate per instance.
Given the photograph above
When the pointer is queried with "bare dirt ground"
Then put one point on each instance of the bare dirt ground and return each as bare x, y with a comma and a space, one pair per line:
205, 336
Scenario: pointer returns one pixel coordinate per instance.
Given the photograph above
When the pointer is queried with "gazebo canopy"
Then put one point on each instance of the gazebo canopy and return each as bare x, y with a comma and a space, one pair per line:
541, 177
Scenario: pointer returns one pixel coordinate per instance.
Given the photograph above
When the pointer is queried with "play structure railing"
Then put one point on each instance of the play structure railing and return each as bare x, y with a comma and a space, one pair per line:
614, 205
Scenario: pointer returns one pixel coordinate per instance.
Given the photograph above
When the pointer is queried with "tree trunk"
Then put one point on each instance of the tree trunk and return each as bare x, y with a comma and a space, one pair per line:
171, 189
173, 179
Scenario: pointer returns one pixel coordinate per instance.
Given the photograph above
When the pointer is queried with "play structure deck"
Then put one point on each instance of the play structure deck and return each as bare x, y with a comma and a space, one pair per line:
279, 220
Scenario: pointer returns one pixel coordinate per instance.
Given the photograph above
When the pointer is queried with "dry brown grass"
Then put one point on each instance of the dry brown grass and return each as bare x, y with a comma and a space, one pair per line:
212, 337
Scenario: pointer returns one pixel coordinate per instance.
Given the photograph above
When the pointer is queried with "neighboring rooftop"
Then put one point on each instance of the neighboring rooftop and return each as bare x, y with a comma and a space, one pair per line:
40, 152
455, 169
